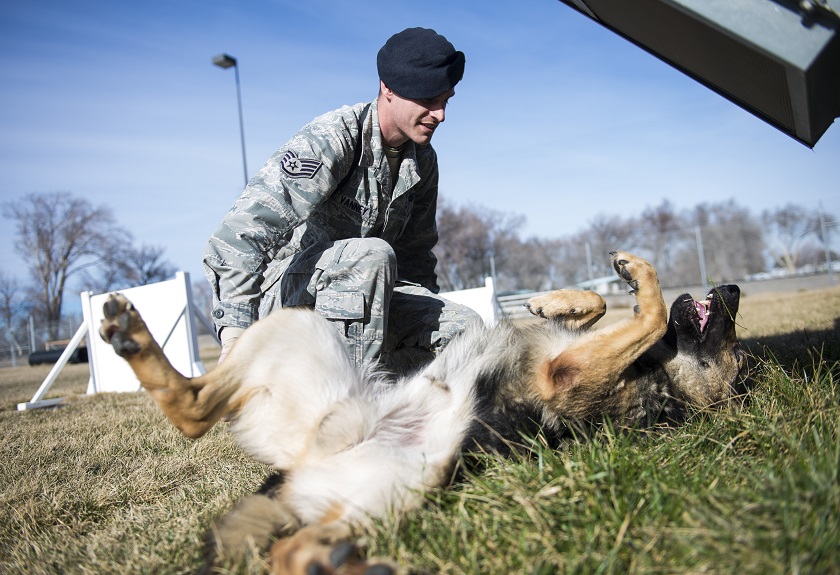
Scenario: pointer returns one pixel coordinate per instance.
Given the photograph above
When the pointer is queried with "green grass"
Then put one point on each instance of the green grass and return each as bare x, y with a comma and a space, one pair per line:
753, 490
106, 485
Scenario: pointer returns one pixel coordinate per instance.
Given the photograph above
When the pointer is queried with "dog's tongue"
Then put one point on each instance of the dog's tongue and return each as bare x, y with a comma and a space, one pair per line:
702, 314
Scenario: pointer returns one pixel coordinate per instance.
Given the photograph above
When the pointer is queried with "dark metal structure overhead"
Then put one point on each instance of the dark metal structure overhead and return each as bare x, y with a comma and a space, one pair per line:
777, 59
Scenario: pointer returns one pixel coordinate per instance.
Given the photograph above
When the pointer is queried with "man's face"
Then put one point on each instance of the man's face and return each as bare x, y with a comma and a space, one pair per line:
405, 119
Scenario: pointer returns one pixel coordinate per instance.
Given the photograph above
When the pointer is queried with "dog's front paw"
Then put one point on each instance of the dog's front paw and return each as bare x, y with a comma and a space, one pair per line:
121, 322
566, 304
576, 309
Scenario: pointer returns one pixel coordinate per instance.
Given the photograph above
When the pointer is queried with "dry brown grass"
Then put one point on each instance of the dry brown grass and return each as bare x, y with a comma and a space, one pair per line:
106, 485
772, 314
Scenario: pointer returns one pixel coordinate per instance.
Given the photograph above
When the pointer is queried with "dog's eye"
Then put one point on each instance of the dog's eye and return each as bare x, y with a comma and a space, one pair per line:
704, 364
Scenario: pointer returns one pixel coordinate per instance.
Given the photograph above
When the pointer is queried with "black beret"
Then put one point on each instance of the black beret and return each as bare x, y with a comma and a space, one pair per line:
419, 63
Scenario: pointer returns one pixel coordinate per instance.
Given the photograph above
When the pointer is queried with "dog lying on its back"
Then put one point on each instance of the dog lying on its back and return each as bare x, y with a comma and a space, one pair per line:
351, 447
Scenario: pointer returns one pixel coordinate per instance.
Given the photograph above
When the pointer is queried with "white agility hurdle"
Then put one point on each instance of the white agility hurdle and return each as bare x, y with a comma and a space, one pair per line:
170, 315
169, 312
482, 300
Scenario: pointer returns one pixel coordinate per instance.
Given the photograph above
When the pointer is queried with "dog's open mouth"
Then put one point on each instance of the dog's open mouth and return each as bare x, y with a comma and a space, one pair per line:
702, 313
719, 308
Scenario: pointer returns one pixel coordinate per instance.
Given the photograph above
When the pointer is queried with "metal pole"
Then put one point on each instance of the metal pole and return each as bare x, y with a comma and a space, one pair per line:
241, 124
31, 334
826, 245
704, 278
227, 61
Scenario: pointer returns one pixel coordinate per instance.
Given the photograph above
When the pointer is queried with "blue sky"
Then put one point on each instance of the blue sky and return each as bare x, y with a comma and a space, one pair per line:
556, 119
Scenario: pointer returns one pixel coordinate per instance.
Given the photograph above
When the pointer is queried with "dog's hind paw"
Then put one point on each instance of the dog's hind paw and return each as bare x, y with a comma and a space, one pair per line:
313, 556
122, 322
638, 273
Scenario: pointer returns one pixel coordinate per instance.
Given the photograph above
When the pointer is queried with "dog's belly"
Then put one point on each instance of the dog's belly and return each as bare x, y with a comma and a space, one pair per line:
377, 453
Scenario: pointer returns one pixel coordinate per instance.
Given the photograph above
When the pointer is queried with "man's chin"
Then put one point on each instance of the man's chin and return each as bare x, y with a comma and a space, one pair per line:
423, 140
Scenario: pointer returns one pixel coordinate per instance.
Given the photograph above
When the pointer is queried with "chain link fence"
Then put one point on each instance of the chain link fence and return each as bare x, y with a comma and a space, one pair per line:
16, 345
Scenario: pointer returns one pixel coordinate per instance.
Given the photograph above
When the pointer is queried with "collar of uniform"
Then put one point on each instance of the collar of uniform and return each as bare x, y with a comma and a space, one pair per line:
374, 155
370, 128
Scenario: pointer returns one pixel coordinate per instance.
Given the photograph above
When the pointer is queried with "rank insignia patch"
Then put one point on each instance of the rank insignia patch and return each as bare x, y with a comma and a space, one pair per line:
295, 167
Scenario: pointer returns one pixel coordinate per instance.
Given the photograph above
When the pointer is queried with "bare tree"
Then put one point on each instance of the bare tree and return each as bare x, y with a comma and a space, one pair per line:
787, 228
824, 229
569, 264
662, 232
130, 267
149, 266
733, 242
12, 301
61, 236
606, 234
472, 240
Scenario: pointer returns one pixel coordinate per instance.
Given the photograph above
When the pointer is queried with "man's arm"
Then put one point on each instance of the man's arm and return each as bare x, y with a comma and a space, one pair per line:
294, 182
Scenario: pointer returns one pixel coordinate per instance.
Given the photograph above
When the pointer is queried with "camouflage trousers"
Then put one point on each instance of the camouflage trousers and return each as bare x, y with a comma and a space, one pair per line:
353, 283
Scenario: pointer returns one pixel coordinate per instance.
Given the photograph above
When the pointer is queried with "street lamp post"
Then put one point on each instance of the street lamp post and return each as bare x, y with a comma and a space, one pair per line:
227, 61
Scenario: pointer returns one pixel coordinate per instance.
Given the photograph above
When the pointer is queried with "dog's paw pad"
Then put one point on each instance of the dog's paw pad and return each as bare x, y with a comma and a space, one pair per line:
631, 269
343, 553
124, 345
121, 318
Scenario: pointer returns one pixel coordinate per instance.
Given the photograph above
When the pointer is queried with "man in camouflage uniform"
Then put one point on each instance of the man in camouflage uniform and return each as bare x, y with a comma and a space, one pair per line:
342, 218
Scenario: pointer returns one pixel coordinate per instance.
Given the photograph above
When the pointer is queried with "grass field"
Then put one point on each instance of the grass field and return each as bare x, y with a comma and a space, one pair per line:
105, 485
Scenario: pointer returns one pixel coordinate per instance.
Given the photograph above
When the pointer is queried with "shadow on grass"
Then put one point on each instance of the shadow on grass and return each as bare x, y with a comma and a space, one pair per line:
792, 350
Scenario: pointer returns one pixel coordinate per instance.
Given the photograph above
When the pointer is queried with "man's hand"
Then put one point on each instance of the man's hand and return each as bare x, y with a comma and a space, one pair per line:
228, 335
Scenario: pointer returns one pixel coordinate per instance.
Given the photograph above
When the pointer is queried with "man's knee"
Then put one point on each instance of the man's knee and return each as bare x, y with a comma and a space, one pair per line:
371, 252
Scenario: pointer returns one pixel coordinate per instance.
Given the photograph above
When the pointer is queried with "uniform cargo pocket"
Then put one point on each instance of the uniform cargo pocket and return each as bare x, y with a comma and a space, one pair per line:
339, 305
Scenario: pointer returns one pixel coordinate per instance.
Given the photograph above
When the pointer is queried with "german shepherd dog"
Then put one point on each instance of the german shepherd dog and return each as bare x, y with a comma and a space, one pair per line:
351, 446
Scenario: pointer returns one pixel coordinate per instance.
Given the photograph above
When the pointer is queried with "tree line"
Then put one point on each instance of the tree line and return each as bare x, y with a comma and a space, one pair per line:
67, 240
712, 241
71, 244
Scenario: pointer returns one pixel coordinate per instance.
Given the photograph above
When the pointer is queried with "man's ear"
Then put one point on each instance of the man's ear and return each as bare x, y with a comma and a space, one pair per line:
385, 90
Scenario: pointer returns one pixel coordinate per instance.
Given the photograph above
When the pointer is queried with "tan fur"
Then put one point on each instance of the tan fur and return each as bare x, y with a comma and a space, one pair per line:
352, 447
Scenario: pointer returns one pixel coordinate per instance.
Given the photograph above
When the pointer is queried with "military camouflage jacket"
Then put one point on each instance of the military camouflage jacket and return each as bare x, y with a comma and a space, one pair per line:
329, 182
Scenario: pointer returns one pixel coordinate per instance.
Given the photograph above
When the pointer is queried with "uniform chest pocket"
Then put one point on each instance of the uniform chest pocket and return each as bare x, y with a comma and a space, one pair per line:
348, 209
